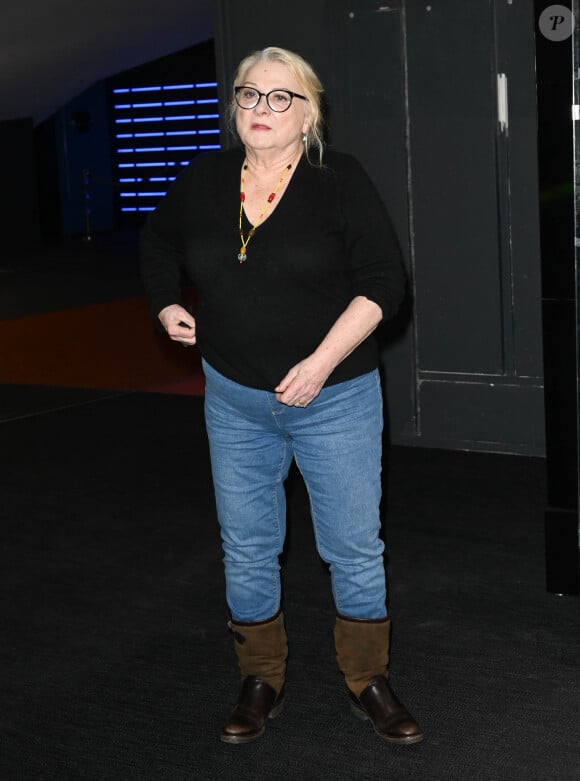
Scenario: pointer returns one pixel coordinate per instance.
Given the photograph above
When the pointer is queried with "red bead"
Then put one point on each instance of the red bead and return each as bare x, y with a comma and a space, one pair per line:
271, 197
242, 196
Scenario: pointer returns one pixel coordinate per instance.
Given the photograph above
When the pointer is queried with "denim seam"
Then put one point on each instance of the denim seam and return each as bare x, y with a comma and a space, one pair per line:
276, 579
333, 585
275, 411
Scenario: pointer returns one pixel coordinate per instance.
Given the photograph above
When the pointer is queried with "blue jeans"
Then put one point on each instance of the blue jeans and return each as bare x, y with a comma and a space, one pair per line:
337, 444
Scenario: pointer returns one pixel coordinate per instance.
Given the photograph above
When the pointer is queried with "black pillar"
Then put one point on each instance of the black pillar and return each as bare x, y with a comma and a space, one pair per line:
556, 175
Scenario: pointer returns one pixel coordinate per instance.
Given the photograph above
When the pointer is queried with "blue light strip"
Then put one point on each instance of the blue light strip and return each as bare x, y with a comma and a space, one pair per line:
128, 120
143, 195
200, 85
183, 117
126, 106
181, 148
145, 89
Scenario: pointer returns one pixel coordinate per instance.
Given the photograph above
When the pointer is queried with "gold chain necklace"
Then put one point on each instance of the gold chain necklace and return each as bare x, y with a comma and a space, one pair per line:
245, 239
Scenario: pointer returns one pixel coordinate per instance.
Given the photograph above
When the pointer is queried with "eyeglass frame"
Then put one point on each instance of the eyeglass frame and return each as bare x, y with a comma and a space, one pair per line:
266, 95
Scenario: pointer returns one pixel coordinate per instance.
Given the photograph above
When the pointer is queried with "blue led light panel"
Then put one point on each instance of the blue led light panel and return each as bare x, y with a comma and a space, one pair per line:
158, 129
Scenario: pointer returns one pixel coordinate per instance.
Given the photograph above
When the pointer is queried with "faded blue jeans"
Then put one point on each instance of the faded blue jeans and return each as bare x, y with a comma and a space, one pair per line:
337, 444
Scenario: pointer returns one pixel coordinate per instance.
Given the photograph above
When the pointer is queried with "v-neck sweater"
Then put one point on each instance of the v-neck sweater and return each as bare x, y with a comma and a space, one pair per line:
328, 240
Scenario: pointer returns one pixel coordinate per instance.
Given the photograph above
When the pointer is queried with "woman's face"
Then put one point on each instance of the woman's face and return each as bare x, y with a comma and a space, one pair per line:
262, 129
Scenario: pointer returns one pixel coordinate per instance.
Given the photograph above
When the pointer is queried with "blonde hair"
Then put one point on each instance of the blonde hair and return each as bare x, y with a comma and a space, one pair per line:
310, 86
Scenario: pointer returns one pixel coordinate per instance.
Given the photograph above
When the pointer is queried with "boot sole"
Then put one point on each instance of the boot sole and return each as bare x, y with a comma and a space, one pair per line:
238, 739
363, 716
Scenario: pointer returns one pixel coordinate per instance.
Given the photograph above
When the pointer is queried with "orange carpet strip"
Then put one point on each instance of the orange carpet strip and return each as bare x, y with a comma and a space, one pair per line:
113, 346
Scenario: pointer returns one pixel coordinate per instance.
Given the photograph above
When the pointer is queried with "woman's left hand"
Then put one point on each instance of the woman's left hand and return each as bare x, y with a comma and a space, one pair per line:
302, 384
304, 381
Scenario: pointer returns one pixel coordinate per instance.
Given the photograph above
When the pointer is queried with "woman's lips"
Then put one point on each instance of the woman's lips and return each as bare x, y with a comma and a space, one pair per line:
258, 126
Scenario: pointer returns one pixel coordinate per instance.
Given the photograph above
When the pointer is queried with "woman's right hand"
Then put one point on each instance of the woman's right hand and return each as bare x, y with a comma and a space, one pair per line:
179, 324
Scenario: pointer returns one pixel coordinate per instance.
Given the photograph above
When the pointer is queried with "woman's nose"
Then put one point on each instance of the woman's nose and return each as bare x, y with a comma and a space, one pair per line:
262, 105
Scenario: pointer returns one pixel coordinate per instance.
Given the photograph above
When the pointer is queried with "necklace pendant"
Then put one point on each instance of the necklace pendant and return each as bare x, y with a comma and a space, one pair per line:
242, 255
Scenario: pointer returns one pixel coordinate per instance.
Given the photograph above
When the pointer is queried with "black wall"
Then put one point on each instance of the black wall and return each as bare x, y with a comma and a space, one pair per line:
19, 216
412, 91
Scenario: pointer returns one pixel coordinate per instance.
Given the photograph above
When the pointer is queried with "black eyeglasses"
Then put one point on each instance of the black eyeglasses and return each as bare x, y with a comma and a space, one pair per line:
278, 100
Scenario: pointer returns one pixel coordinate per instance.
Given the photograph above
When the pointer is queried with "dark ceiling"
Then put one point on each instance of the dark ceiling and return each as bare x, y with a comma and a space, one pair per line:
52, 50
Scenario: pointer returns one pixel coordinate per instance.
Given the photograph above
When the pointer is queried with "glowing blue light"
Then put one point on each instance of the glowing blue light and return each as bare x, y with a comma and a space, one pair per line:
128, 120
132, 113
152, 165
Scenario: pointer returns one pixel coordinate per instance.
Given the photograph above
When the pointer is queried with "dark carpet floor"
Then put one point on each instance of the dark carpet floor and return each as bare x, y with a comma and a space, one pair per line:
115, 661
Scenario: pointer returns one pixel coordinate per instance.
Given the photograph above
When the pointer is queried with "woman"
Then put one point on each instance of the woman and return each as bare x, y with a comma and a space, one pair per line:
295, 264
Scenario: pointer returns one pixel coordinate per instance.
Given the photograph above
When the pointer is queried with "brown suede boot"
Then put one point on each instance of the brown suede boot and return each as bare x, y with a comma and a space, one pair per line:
362, 653
261, 649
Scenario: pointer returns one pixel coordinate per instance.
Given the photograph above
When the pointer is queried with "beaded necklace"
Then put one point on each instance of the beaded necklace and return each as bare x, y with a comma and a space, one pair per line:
245, 240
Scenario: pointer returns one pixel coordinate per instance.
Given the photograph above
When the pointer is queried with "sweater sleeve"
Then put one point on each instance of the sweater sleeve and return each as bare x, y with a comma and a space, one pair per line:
375, 259
162, 247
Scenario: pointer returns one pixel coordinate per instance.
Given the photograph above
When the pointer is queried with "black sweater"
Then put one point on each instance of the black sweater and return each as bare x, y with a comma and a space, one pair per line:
328, 240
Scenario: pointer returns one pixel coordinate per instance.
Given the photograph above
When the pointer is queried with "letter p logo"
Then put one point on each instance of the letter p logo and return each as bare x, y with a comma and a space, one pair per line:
556, 22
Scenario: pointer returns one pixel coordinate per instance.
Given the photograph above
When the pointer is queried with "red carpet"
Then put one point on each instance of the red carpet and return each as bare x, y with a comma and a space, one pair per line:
113, 346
